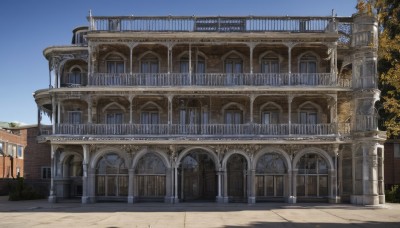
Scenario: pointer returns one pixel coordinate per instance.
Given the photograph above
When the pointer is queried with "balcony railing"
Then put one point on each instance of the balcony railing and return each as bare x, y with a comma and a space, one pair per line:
204, 130
213, 24
74, 79
216, 79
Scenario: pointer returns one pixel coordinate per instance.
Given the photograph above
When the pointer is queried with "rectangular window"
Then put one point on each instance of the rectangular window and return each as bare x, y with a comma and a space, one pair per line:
20, 151
74, 117
396, 149
1, 149
46, 173
149, 118
114, 118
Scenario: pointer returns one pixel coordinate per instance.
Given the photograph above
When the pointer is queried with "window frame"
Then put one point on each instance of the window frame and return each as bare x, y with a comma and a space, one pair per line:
76, 112
45, 172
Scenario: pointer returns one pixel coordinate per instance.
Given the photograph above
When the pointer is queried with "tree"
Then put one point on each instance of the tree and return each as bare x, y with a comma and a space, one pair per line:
388, 12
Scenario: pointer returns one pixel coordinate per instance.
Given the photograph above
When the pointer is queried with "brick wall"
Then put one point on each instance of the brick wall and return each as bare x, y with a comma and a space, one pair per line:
9, 164
36, 156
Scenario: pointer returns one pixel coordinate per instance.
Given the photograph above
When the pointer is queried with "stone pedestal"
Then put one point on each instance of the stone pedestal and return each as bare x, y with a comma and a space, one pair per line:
52, 199
251, 200
131, 199
364, 199
291, 199
335, 200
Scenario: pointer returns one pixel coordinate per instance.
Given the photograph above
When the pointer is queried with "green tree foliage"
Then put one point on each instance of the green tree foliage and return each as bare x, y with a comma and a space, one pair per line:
388, 12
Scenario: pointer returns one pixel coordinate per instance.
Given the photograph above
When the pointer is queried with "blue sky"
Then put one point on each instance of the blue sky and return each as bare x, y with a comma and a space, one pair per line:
29, 26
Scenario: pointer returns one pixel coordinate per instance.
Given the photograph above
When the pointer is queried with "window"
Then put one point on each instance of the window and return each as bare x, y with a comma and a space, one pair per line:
20, 151
270, 171
233, 70
233, 117
149, 65
308, 114
18, 171
149, 117
270, 65
46, 173
74, 117
74, 77
1, 148
115, 64
312, 180
308, 70
114, 118
11, 150
270, 117
396, 149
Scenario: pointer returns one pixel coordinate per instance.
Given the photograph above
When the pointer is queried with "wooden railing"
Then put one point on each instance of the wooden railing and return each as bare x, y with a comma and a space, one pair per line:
216, 79
204, 130
213, 24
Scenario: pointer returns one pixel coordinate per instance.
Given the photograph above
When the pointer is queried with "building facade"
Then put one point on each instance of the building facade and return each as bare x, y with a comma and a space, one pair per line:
12, 146
226, 109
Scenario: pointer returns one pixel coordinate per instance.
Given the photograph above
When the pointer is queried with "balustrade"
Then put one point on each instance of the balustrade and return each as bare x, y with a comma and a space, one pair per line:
204, 130
214, 24
216, 79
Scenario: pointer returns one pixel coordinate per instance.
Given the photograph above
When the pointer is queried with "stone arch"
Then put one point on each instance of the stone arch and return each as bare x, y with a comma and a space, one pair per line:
115, 54
319, 109
233, 52
161, 154
208, 150
314, 150
318, 58
99, 154
272, 104
232, 152
271, 149
199, 53
239, 106
270, 53
75, 66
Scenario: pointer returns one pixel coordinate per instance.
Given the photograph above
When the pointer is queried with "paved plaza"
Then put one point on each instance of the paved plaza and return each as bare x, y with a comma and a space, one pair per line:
39, 213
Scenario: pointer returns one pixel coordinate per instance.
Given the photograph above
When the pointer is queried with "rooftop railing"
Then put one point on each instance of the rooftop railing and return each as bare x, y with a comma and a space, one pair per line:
198, 130
213, 24
217, 79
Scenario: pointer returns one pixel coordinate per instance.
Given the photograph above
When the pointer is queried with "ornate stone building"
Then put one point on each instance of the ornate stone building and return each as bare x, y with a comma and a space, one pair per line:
226, 109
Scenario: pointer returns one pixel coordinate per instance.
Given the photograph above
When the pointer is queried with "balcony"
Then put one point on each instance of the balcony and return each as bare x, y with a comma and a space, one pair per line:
212, 24
217, 79
209, 130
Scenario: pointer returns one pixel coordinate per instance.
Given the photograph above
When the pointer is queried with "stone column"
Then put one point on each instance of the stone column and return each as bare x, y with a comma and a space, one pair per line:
130, 98
225, 186
290, 99
176, 197
89, 102
251, 190
290, 45
381, 175
53, 114
190, 64
168, 185
252, 98
334, 176
85, 166
131, 197
170, 98
220, 199
52, 197
293, 197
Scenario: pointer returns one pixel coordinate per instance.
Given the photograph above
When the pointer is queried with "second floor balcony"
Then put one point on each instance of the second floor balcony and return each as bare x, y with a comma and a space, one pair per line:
217, 79
201, 131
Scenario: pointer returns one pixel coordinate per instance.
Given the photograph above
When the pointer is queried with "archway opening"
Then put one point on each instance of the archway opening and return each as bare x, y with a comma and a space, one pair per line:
271, 171
197, 177
312, 178
150, 178
237, 178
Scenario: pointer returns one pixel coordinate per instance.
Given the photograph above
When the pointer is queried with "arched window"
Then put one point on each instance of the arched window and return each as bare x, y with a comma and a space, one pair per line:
233, 66
312, 178
115, 64
308, 64
74, 76
114, 114
233, 115
149, 64
270, 64
308, 114
150, 176
150, 115
111, 176
270, 171
270, 114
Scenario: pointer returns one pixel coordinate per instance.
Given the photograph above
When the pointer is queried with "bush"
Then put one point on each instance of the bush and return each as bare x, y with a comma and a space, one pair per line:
20, 191
393, 195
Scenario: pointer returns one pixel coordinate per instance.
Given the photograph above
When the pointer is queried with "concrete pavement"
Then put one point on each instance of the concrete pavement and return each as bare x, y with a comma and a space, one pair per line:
39, 213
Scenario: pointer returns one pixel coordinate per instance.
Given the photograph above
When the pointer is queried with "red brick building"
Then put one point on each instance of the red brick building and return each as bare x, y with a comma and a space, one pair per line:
13, 143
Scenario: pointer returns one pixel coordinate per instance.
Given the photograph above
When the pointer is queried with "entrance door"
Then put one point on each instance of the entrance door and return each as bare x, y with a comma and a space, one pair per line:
197, 177
237, 178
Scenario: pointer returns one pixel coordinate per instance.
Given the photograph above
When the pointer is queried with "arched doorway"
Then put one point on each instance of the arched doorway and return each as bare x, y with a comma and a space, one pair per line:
72, 169
270, 177
150, 177
111, 177
197, 177
312, 178
237, 178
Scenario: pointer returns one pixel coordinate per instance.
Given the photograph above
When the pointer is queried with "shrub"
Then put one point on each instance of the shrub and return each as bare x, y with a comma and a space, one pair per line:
393, 195
20, 191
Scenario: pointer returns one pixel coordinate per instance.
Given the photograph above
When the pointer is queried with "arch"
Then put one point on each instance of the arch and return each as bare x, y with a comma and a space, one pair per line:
239, 106
149, 103
206, 149
115, 54
65, 155
270, 53
232, 152
199, 53
312, 53
157, 152
111, 104
314, 150
99, 154
140, 57
64, 61
272, 104
232, 52
267, 150
319, 109
75, 66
